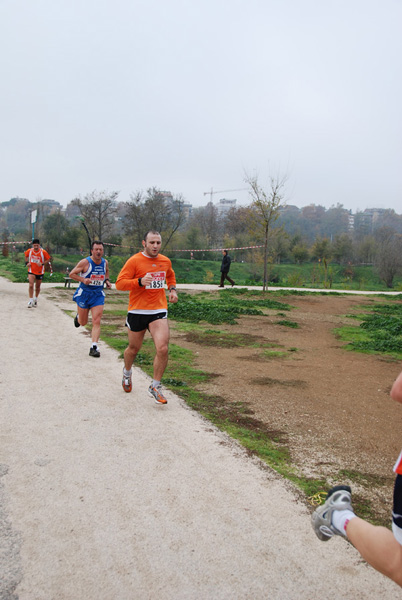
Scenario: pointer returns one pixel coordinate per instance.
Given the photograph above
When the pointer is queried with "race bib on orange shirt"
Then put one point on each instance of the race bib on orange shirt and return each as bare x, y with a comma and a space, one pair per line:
96, 279
36, 260
158, 281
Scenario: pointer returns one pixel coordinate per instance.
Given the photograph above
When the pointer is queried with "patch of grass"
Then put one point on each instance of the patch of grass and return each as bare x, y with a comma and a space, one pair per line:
364, 479
185, 327
297, 383
193, 310
286, 323
274, 354
379, 332
221, 339
261, 300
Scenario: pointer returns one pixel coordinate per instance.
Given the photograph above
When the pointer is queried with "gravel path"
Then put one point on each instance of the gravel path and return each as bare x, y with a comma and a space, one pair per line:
105, 496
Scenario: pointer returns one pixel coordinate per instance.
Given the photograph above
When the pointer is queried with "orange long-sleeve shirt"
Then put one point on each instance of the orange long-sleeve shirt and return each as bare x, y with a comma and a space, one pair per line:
146, 300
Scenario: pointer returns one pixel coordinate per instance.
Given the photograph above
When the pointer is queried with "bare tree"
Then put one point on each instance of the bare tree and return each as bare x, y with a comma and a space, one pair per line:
265, 204
98, 210
154, 210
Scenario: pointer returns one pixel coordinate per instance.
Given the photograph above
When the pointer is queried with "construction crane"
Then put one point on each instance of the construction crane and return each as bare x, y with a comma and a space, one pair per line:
212, 193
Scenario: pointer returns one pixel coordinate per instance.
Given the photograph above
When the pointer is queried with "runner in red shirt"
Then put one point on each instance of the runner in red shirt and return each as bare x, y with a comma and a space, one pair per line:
145, 275
36, 258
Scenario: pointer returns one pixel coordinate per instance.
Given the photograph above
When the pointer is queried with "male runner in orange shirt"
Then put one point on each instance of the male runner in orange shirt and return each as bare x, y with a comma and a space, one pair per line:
35, 258
145, 275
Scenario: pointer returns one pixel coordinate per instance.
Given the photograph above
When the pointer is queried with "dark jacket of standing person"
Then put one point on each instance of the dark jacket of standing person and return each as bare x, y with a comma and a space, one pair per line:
226, 260
225, 266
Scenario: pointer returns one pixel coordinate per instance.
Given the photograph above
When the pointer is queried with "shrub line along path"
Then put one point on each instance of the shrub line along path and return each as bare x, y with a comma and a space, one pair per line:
104, 495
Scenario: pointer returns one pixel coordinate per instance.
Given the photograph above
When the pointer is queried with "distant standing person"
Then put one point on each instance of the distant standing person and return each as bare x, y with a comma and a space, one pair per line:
36, 258
93, 274
380, 547
225, 266
145, 275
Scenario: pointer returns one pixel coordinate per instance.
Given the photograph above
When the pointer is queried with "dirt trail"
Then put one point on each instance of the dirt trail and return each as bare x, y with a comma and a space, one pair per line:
105, 495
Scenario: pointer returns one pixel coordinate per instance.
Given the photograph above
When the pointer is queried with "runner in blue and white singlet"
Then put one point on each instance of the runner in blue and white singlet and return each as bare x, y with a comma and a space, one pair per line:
92, 273
91, 294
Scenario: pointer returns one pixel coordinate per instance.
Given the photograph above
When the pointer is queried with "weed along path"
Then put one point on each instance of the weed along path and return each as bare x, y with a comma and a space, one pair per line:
104, 495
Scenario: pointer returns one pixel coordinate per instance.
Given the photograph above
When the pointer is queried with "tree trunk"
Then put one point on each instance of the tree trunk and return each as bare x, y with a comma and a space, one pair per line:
264, 287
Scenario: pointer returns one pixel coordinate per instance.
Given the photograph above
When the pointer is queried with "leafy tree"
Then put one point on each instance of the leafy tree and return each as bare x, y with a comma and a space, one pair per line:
55, 228
321, 248
342, 248
366, 249
265, 204
389, 255
71, 237
209, 222
279, 244
311, 221
300, 253
18, 214
4, 247
335, 221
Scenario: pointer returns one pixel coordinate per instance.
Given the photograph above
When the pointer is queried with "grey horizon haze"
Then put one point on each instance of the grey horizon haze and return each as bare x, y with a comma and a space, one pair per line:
191, 95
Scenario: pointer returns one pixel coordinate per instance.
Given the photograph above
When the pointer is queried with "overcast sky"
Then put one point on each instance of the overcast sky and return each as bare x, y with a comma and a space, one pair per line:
189, 95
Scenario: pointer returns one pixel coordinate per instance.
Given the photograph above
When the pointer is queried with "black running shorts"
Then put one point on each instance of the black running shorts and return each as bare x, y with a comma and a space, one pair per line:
136, 322
397, 509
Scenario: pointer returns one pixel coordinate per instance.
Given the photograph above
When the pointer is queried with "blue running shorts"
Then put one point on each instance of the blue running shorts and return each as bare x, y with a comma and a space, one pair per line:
89, 298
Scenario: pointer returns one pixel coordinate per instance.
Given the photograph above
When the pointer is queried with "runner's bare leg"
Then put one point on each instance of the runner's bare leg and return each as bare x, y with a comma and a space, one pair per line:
159, 330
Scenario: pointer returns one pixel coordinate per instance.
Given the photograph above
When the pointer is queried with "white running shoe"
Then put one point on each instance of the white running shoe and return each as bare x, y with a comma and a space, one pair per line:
126, 382
35, 302
338, 498
30, 303
156, 393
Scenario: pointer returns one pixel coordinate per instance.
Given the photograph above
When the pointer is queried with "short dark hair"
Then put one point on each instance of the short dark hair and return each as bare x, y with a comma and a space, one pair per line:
151, 231
36, 241
98, 242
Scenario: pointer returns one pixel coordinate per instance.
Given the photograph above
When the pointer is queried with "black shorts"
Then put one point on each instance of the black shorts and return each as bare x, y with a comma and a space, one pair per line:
397, 509
36, 276
136, 322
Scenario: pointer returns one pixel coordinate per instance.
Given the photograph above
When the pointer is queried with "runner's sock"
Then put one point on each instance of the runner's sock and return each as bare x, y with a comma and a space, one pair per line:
155, 383
127, 373
94, 345
340, 518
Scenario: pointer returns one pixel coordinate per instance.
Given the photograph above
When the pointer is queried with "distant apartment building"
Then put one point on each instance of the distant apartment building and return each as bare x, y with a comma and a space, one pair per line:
224, 205
49, 207
365, 222
187, 209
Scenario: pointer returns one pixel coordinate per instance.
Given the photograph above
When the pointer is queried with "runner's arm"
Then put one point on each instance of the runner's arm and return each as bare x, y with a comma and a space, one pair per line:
171, 284
107, 280
48, 259
81, 267
128, 278
396, 390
